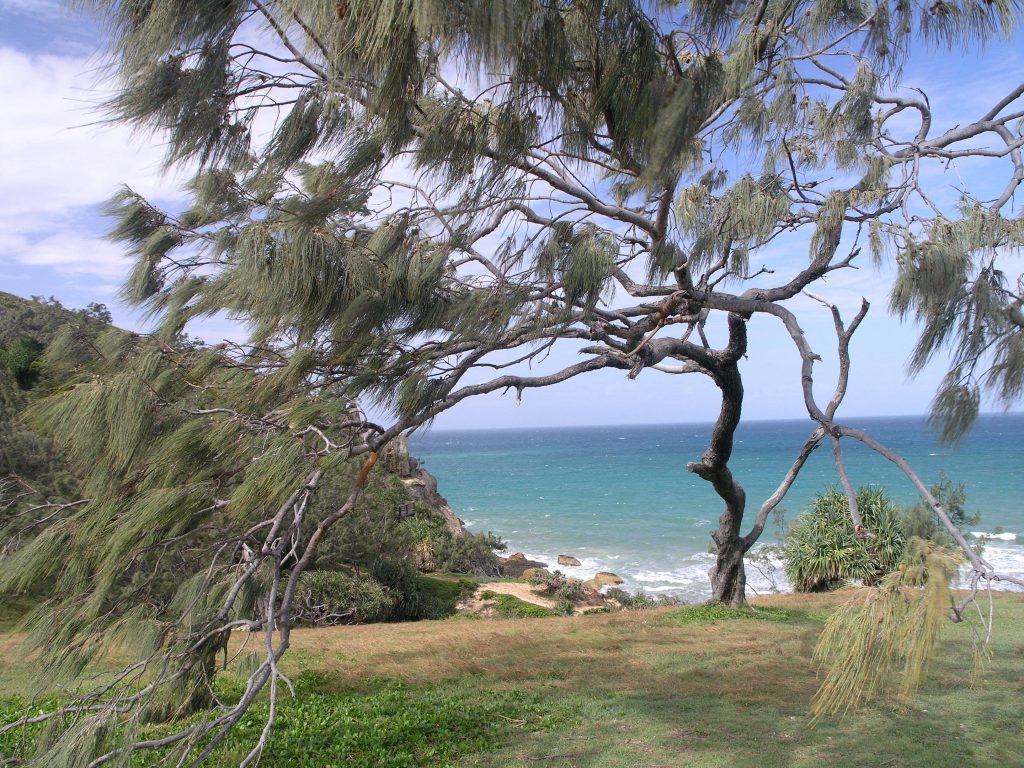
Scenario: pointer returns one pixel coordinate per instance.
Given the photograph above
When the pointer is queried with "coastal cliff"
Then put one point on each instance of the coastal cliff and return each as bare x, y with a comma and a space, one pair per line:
420, 484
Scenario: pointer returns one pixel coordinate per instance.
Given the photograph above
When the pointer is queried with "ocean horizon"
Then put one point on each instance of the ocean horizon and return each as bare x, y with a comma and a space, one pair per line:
618, 497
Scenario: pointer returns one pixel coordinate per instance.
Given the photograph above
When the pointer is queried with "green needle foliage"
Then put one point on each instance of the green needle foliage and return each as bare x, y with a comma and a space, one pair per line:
878, 644
407, 201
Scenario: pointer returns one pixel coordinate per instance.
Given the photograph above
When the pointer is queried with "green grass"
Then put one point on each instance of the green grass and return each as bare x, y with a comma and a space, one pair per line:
695, 614
512, 607
385, 724
669, 687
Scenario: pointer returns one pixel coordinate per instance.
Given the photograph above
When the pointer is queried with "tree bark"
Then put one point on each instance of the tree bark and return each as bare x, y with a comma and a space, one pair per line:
728, 577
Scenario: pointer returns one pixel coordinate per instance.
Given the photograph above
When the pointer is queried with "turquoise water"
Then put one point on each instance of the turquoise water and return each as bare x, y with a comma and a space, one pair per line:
620, 499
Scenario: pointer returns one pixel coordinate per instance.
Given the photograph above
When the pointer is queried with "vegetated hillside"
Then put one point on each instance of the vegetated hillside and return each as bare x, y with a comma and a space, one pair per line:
366, 570
26, 327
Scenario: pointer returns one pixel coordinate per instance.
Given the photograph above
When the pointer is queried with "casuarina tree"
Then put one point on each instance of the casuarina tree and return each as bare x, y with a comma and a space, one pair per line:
408, 201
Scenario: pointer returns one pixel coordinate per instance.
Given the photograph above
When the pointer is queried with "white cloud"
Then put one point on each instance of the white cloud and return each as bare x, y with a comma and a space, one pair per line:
75, 255
34, 7
57, 168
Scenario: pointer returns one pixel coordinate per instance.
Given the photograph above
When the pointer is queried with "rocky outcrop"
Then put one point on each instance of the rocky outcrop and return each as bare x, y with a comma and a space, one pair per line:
515, 565
605, 578
568, 560
420, 484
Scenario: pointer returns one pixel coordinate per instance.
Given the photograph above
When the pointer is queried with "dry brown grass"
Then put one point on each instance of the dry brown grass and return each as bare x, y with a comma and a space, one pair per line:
593, 651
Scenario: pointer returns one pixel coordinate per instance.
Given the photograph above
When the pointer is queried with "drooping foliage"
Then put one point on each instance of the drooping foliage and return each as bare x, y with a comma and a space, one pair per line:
409, 201
621, 122
408, 197
877, 645
951, 281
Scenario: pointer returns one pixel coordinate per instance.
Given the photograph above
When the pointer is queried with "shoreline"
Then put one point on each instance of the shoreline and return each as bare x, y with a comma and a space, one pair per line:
689, 580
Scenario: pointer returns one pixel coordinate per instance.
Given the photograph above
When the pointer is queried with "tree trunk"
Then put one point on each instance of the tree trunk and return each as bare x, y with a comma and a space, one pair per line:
728, 576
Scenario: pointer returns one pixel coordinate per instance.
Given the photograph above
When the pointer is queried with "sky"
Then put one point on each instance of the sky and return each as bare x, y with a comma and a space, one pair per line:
58, 164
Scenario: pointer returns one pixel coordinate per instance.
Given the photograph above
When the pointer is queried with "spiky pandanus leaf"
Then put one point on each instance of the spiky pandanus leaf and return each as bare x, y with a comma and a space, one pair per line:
823, 551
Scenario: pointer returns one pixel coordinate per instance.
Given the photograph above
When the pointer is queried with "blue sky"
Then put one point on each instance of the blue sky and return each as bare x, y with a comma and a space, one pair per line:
56, 167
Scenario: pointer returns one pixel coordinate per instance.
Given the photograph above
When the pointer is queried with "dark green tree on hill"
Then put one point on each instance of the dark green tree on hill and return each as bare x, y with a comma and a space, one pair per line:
26, 326
449, 190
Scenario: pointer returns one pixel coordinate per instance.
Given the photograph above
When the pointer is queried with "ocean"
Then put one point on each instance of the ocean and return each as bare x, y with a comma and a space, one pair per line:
619, 498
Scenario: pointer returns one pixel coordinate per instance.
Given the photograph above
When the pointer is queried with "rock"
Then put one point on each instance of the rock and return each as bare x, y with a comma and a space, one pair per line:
515, 567
591, 586
423, 557
396, 458
422, 486
533, 573
567, 560
601, 578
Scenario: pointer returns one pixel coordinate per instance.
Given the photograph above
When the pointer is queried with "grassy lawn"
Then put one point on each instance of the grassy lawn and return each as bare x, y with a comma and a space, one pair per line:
668, 687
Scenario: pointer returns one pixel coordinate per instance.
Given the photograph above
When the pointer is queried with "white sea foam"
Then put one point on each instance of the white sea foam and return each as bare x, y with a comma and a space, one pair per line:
687, 577
1001, 536
1007, 559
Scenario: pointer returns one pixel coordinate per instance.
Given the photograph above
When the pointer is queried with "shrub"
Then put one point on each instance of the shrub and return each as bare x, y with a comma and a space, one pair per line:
639, 600
919, 520
699, 614
402, 580
823, 551
565, 607
372, 531
439, 598
559, 587
471, 553
22, 361
327, 598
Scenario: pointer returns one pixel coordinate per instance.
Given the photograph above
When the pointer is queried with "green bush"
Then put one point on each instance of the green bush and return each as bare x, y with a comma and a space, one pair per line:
559, 586
471, 553
395, 592
565, 607
328, 598
439, 598
639, 600
373, 531
823, 551
403, 582
21, 360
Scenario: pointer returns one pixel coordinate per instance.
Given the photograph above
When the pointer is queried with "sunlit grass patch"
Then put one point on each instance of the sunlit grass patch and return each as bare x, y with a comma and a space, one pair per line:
698, 614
